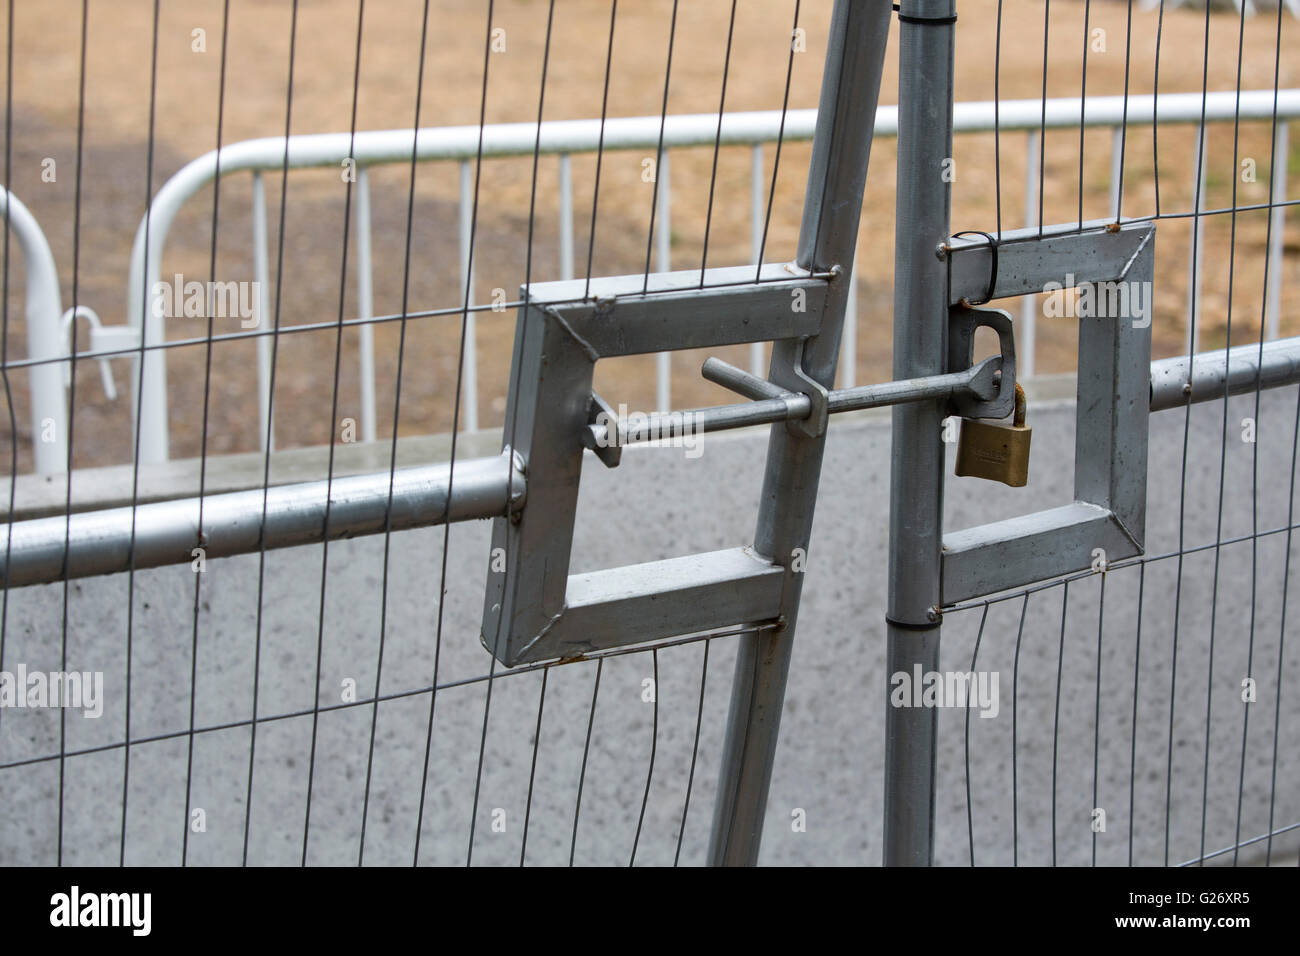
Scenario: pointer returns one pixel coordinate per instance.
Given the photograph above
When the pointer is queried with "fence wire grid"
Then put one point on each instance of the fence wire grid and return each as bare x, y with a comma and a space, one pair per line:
331, 703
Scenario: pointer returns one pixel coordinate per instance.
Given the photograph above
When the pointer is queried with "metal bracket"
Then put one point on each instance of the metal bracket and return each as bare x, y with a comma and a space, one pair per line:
534, 609
963, 320
793, 378
608, 448
1110, 459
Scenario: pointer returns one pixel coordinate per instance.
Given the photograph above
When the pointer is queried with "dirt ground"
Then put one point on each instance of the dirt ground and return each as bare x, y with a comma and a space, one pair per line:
123, 160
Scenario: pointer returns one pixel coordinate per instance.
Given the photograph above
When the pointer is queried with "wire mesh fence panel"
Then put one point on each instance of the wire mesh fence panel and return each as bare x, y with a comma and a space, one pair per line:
304, 686
1141, 705
306, 561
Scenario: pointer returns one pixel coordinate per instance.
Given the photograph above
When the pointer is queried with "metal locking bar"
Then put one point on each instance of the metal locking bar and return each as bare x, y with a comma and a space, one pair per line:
770, 403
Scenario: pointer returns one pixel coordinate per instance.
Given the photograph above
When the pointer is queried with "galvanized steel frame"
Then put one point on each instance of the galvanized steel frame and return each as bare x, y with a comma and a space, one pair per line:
828, 237
533, 608
921, 317
933, 274
1109, 506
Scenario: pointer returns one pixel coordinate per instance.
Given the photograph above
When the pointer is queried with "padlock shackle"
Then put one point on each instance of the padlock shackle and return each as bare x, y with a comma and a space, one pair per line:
1019, 419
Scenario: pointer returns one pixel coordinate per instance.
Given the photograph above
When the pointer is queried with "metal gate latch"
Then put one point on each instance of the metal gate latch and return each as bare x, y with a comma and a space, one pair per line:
1107, 508
534, 608
963, 320
991, 450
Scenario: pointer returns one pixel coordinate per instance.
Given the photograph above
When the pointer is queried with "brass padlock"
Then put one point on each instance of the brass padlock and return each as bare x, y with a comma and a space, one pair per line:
995, 450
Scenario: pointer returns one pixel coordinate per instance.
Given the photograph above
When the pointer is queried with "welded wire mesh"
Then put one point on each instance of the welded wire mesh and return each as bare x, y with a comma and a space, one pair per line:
331, 704
1151, 719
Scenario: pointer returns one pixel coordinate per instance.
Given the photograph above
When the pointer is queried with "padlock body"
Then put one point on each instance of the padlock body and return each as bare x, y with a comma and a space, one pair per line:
994, 450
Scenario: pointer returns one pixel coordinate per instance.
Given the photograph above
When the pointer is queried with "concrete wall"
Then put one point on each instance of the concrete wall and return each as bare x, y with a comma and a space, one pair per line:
829, 762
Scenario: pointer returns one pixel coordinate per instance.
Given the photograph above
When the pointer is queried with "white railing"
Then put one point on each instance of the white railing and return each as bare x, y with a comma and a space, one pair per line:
564, 138
49, 409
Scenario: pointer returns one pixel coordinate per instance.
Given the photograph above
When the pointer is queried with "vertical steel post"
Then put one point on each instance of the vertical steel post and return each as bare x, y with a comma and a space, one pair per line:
470, 368
1025, 348
757, 208
832, 208
265, 323
1277, 174
1116, 168
1196, 254
849, 348
366, 308
566, 216
663, 259
925, 89
44, 308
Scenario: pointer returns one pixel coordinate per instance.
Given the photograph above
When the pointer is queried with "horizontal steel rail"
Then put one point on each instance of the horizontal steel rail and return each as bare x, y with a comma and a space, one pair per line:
1275, 365
165, 532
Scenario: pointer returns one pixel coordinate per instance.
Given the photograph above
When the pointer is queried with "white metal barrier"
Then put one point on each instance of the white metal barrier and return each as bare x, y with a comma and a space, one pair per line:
564, 138
49, 409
